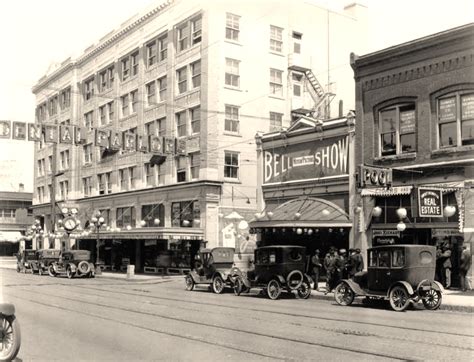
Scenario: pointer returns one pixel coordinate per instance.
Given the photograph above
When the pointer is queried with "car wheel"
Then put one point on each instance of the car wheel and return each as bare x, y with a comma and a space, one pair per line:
83, 267
238, 286
189, 282
51, 271
218, 284
10, 337
399, 298
343, 294
273, 289
304, 291
69, 272
432, 299
294, 279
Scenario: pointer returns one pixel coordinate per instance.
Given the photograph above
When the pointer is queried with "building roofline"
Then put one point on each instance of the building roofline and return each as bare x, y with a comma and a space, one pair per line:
412, 45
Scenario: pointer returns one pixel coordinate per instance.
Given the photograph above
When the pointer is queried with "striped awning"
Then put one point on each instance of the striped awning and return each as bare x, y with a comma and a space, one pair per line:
10, 236
393, 191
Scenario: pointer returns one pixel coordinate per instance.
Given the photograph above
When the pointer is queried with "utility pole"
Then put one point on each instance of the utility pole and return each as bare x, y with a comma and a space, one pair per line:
53, 190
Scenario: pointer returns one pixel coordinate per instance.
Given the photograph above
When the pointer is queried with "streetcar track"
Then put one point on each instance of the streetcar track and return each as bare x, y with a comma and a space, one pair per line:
246, 332
352, 332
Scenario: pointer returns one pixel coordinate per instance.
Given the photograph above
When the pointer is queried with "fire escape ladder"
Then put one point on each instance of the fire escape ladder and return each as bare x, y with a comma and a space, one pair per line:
314, 82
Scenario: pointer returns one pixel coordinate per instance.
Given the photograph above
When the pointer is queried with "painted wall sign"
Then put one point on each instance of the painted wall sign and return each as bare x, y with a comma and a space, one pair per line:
430, 202
308, 160
467, 106
374, 176
447, 109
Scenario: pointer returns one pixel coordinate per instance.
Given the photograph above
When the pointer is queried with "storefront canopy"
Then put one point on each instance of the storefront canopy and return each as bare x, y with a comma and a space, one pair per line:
10, 236
305, 212
392, 191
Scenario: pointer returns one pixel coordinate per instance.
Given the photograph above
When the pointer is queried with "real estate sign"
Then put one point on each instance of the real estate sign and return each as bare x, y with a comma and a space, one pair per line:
430, 202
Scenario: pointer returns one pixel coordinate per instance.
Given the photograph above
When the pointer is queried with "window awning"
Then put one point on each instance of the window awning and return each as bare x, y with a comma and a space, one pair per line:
305, 212
393, 191
10, 236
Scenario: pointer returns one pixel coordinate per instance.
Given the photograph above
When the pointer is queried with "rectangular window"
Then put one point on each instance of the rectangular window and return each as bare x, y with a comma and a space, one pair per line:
195, 162
232, 77
101, 182
184, 213
87, 186
151, 52
153, 215
132, 175
195, 120
134, 63
111, 110
181, 124
231, 165
123, 179
232, 27
125, 68
162, 84
163, 47
151, 93
161, 174
65, 99
276, 39
50, 164
106, 79
397, 130
125, 216
64, 190
181, 76
150, 128
89, 119
64, 159
103, 115
88, 89
456, 120
125, 105
183, 37
196, 26
196, 74
134, 99
150, 175
297, 37
181, 165
276, 82
275, 121
87, 150
53, 106
161, 124
40, 170
232, 119
297, 84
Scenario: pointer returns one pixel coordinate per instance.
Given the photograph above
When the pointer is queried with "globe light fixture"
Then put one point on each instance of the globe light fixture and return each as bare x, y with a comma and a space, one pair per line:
142, 222
129, 227
270, 215
243, 225
94, 219
299, 231
376, 211
197, 222
401, 226
402, 213
297, 215
449, 210
156, 221
310, 231
326, 212
185, 223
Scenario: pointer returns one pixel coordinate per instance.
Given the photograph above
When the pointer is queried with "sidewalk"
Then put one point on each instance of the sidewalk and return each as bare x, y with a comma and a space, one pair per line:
453, 299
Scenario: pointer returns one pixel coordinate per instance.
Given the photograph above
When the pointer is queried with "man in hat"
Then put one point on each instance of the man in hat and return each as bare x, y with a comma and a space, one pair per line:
316, 268
359, 261
344, 261
464, 265
332, 264
446, 265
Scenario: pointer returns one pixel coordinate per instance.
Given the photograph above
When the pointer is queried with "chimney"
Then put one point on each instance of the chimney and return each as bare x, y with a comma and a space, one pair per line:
21, 188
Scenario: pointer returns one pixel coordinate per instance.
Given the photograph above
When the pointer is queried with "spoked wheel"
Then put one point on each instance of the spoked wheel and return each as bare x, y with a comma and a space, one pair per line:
10, 338
218, 284
304, 291
273, 289
238, 286
343, 294
432, 299
69, 273
189, 281
51, 271
399, 298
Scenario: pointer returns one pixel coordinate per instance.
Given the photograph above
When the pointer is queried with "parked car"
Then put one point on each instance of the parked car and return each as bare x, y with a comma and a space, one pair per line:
26, 261
276, 268
44, 257
73, 263
10, 335
399, 273
212, 267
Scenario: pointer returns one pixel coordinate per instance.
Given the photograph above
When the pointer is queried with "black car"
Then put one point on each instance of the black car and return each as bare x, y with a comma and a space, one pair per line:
73, 263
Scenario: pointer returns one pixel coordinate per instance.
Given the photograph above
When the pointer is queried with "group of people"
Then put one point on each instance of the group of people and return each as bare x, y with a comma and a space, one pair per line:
337, 265
444, 265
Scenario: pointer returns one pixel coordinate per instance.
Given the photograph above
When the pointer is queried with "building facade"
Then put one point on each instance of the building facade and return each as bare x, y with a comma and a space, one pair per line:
415, 122
306, 173
16, 215
200, 79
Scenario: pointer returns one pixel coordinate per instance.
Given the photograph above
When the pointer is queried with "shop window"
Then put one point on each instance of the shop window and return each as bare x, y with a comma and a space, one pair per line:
455, 116
185, 214
125, 216
152, 212
397, 126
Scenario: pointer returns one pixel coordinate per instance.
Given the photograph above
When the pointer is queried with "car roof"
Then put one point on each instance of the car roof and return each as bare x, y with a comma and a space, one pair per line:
281, 247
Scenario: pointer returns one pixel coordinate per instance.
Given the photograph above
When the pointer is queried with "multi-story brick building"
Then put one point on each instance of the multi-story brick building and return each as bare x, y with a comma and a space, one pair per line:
415, 117
207, 76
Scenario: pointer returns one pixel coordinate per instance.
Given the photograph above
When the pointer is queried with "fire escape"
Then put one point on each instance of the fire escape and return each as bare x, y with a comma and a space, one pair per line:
320, 108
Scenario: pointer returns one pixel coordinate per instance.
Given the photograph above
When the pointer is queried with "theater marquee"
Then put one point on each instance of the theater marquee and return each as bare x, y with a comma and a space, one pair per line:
308, 160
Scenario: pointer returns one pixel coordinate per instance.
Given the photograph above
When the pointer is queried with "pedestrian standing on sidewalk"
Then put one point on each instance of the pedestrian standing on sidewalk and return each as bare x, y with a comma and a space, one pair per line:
332, 264
316, 268
446, 265
464, 266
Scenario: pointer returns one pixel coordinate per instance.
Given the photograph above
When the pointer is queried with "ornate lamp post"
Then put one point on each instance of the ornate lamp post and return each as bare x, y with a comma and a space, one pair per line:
97, 221
37, 233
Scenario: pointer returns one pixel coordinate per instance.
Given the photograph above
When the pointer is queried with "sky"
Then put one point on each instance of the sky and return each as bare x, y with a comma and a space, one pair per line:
37, 33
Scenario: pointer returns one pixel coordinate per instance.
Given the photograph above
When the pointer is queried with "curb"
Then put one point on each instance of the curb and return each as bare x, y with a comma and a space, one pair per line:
444, 307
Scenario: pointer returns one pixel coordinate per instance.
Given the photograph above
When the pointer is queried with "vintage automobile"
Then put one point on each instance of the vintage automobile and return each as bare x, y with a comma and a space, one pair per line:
44, 257
26, 261
10, 334
403, 274
276, 268
73, 263
212, 267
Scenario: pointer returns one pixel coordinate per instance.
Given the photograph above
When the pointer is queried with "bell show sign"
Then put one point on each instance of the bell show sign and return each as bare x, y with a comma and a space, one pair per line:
307, 160
430, 202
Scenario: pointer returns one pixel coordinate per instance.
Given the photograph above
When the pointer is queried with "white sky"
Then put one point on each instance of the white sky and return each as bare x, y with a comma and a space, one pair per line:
36, 33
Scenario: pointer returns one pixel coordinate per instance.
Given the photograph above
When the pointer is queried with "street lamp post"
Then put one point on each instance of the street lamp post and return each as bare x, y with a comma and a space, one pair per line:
97, 222
37, 232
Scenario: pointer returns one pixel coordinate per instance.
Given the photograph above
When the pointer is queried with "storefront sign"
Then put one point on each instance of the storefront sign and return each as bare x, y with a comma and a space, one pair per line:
375, 176
430, 202
385, 233
385, 237
441, 233
308, 160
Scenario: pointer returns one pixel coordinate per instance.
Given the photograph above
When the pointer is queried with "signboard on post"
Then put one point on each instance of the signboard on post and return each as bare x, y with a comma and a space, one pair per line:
430, 202
375, 176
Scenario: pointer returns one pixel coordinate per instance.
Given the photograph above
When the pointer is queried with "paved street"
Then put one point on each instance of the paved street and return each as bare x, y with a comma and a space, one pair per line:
106, 319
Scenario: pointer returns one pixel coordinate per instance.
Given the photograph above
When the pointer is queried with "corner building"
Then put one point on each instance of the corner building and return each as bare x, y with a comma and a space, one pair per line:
415, 116
203, 76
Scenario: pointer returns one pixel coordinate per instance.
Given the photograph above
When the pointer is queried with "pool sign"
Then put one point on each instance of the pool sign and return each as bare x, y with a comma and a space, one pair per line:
430, 202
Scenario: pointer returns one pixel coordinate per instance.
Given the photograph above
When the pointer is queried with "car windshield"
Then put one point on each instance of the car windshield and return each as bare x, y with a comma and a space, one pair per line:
266, 257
